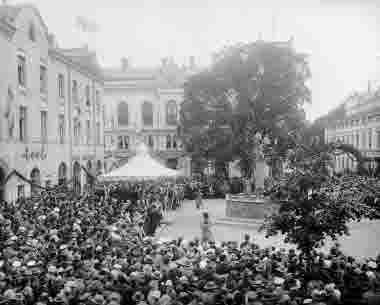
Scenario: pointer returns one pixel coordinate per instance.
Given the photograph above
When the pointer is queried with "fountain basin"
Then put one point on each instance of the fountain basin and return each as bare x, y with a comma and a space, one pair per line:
249, 206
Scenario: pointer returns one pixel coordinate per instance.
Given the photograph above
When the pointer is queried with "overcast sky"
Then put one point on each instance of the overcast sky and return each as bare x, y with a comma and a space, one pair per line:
342, 37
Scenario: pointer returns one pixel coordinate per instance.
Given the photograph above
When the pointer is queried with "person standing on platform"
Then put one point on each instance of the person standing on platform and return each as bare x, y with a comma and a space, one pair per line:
206, 225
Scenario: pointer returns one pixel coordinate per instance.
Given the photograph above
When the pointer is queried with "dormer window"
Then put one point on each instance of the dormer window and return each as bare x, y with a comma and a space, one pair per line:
32, 32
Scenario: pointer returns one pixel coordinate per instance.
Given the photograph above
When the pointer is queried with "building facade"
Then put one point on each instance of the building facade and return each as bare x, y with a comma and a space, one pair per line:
51, 106
359, 126
143, 105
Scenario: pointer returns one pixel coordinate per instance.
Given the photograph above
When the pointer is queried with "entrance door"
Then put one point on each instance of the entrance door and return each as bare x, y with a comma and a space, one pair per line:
2, 186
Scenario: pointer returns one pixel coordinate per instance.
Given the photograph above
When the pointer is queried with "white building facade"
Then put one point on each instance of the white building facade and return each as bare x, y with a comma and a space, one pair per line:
50, 106
360, 128
143, 105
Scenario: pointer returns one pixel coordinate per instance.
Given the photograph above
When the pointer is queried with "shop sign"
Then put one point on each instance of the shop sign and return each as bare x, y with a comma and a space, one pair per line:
34, 155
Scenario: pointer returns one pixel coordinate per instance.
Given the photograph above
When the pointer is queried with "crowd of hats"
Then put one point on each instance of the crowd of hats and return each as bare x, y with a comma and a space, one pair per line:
88, 251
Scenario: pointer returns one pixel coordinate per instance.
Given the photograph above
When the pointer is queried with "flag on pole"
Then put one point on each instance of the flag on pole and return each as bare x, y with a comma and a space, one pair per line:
85, 25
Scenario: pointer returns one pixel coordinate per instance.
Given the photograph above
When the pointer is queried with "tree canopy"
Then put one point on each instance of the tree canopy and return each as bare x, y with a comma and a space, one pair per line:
316, 203
251, 88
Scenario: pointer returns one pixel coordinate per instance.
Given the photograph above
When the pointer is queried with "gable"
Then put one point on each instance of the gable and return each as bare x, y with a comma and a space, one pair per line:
27, 15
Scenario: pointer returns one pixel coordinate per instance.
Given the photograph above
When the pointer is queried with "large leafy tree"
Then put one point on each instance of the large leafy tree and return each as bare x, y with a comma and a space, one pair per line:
254, 88
316, 204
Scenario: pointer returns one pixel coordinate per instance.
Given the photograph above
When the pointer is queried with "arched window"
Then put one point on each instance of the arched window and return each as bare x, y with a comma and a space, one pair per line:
126, 142
74, 92
147, 113
35, 177
150, 141
62, 174
168, 142
89, 169
171, 113
174, 142
99, 167
122, 114
120, 142
88, 101
76, 178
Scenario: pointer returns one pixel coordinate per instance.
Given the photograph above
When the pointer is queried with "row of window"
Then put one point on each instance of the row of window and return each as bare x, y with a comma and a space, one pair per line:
35, 177
78, 132
22, 75
147, 113
363, 139
22, 81
344, 162
356, 122
123, 142
61, 128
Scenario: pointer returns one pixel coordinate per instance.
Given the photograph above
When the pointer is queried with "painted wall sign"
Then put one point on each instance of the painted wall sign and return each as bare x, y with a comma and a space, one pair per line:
34, 155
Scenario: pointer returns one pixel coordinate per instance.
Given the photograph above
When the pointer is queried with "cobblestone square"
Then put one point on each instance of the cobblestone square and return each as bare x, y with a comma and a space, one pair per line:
364, 240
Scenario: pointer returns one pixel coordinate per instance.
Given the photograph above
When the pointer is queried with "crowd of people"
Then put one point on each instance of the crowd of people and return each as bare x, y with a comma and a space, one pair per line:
169, 195
96, 251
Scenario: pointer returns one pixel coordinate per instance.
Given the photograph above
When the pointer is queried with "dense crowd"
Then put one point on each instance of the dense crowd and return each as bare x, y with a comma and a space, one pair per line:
63, 250
169, 195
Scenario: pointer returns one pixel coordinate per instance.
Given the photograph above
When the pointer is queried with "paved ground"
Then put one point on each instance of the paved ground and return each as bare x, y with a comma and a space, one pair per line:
364, 240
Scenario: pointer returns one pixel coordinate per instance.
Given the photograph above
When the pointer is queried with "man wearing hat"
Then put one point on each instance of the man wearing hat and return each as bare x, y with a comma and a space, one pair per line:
154, 297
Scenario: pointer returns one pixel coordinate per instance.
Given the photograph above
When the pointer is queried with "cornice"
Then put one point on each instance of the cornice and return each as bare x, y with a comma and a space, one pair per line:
75, 66
142, 86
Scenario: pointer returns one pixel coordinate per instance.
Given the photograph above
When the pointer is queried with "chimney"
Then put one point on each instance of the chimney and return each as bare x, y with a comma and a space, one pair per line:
124, 64
192, 62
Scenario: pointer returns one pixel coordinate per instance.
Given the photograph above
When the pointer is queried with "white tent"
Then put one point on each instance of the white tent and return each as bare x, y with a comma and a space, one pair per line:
140, 167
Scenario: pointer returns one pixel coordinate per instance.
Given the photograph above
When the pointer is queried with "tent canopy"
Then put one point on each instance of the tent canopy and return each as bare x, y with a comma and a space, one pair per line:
140, 167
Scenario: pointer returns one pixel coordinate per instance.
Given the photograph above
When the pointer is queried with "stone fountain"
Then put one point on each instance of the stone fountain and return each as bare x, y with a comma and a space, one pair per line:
251, 207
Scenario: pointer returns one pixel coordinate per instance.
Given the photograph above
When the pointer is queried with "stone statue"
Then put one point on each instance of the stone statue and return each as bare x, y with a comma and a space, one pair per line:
261, 168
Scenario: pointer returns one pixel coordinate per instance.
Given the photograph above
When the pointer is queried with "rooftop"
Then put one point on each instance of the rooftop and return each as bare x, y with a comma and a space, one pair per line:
165, 76
83, 57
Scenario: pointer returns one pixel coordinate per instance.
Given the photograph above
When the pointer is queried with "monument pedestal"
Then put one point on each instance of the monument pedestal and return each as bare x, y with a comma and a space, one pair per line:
247, 209
249, 206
